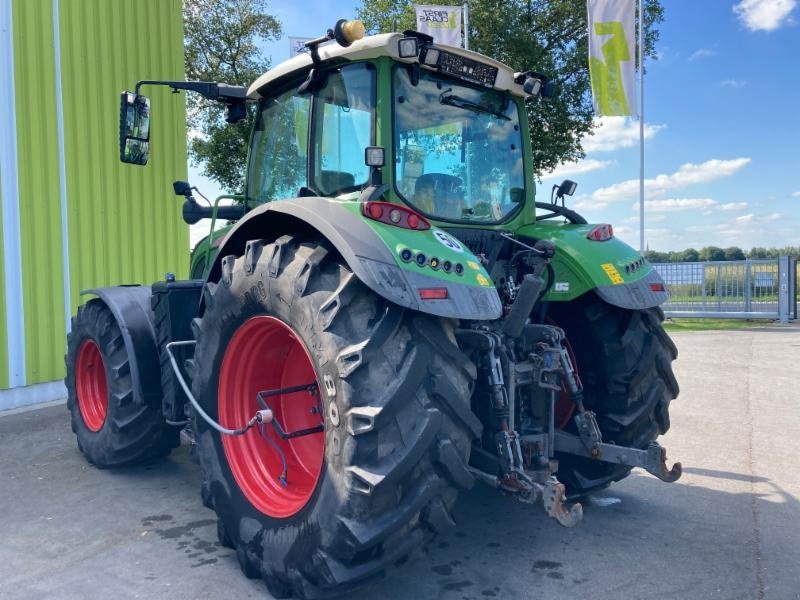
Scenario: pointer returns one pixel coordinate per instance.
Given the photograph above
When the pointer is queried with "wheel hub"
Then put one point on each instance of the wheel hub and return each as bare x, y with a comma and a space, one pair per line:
277, 475
91, 385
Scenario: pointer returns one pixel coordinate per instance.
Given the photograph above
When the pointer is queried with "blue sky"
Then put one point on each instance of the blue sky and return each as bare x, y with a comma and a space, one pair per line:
722, 120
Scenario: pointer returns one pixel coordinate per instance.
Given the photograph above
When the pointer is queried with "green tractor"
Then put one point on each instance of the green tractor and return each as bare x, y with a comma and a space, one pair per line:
391, 317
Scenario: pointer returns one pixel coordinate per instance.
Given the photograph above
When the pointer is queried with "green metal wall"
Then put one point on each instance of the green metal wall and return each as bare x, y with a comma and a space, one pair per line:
3, 334
39, 204
123, 222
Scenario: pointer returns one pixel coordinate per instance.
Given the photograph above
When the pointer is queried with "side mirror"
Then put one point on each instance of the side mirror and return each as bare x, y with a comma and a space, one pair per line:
134, 128
567, 188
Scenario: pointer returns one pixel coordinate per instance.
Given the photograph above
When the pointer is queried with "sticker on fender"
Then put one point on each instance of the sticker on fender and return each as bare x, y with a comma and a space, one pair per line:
448, 241
612, 273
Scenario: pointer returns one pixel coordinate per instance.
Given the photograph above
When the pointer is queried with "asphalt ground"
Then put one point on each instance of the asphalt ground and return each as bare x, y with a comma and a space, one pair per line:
730, 528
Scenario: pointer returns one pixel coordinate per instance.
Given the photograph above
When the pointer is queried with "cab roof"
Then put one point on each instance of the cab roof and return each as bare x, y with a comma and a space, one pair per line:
375, 46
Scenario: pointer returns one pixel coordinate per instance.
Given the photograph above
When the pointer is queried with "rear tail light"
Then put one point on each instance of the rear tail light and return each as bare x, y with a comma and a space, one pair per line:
601, 233
394, 214
433, 293
657, 287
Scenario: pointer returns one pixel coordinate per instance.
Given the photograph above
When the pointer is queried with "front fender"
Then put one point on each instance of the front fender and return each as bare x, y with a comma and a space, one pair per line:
613, 269
372, 251
130, 305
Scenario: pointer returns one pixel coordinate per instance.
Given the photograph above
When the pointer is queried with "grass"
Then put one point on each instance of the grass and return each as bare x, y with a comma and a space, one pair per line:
675, 325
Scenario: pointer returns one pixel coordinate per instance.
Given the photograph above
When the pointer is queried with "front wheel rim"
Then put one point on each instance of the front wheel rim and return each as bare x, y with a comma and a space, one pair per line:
266, 353
91, 385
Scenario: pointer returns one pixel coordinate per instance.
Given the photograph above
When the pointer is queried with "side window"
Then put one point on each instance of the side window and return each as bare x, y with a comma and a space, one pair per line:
279, 150
343, 127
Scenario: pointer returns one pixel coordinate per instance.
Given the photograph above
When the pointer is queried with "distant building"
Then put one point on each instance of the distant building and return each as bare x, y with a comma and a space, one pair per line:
73, 217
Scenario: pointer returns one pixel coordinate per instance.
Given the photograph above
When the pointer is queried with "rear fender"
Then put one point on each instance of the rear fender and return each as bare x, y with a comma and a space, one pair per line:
130, 306
371, 251
613, 269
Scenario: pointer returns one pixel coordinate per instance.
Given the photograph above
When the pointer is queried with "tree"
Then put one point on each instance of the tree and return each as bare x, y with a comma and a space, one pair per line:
712, 253
734, 253
688, 255
547, 36
221, 43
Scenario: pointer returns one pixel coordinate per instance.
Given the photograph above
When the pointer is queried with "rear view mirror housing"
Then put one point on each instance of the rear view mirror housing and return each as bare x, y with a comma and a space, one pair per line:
134, 128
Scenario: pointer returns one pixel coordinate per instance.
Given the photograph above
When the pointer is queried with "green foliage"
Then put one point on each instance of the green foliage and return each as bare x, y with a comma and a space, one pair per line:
547, 36
712, 253
221, 40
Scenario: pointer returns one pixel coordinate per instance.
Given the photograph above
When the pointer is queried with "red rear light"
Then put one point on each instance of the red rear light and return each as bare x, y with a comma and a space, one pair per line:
657, 287
601, 233
395, 214
433, 293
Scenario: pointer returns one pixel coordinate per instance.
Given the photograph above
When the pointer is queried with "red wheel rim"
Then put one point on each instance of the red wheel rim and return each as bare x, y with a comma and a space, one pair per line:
265, 353
91, 386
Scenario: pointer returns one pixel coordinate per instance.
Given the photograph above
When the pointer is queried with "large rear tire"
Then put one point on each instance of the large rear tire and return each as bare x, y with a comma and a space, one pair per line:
393, 389
624, 358
112, 428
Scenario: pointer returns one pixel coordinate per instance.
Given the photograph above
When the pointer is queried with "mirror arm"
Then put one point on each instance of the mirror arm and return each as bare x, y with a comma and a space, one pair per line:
221, 92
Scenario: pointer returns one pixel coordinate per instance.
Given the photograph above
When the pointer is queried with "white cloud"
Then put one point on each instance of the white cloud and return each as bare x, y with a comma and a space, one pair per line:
773, 217
612, 133
796, 194
745, 218
764, 15
677, 204
687, 174
733, 83
702, 53
576, 168
733, 206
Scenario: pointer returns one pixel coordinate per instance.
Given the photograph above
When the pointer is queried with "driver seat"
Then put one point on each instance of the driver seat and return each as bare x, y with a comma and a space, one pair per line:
439, 194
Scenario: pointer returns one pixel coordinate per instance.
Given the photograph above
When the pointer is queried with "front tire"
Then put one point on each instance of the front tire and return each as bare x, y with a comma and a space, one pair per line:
112, 428
393, 392
624, 359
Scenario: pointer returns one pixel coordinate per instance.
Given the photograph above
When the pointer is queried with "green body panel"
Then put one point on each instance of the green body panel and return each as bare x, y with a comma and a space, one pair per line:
38, 179
199, 252
579, 262
426, 242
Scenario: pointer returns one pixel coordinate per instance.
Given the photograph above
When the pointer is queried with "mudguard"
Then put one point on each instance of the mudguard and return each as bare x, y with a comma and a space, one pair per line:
372, 250
130, 306
614, 270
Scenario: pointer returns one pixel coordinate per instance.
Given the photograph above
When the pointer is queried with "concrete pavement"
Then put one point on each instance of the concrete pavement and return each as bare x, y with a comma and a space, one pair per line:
730, 528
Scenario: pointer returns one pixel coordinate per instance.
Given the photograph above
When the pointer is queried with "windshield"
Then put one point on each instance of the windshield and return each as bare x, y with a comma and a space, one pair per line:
458, 149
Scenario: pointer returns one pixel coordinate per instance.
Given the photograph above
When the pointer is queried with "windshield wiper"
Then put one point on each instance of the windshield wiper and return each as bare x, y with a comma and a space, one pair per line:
459, 102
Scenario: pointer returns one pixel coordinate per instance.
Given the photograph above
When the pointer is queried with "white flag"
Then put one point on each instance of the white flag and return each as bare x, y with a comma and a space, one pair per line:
297, 45
612, 52
441, 22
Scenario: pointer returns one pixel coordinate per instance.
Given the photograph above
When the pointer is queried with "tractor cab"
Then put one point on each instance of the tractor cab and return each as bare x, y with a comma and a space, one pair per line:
449, 124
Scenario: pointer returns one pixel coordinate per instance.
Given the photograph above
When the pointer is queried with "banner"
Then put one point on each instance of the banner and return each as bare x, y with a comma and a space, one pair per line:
612, 51
441, 22
297, 45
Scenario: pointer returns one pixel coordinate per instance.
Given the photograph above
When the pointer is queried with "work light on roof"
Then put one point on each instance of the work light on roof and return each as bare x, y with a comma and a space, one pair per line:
407, 47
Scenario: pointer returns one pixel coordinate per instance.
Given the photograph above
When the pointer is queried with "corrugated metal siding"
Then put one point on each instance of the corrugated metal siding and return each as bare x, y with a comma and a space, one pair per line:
124, 221
3, 334
39, 204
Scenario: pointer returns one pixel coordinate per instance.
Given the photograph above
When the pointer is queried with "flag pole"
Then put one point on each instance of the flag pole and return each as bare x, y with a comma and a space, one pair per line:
466, 26
641, 127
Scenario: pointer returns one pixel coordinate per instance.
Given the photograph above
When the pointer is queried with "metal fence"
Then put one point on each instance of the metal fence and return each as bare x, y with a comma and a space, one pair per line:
746, 289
